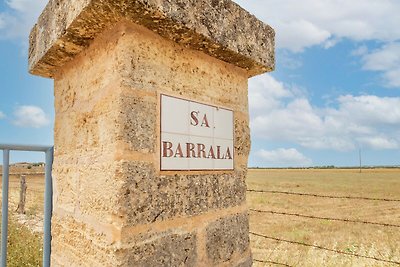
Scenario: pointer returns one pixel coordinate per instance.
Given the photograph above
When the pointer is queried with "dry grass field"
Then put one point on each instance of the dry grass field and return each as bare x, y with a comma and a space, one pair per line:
381, 242
33, 217
35, 188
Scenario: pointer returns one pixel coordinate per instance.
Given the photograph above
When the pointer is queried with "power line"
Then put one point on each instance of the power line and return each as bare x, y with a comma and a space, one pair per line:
326, 249
324, 218
321, 196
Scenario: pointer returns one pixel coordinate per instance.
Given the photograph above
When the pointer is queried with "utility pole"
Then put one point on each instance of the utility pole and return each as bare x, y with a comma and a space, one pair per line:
359, 155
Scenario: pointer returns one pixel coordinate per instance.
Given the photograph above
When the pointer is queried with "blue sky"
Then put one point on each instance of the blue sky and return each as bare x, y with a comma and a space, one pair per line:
336, 88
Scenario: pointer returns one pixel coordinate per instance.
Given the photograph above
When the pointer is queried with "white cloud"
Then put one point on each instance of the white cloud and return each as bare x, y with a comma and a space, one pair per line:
30, 117
302, 24
360, 51
366, 121
392, 77
387, 60
387, 57
303, 34
283, 157
380, 142
20, 17
266, 94
369, 110
331, 42
2, 115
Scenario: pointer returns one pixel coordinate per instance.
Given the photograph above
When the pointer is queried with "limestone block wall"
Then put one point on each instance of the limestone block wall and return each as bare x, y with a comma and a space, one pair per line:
112, 204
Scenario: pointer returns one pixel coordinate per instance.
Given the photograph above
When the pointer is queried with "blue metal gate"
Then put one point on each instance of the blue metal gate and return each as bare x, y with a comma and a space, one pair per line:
48, 194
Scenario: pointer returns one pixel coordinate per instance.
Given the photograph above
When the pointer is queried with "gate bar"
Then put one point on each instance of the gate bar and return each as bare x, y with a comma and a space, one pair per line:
48, 196
48, 208
4, 207
30, 148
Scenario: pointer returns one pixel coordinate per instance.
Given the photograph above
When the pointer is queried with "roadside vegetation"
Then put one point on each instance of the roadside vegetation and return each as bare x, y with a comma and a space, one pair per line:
24, 247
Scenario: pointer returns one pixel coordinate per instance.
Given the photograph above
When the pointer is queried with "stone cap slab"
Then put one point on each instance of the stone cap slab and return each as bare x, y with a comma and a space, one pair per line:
219, 28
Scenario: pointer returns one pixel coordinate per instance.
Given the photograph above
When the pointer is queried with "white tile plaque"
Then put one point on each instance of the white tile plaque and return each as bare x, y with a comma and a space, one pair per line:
195, 136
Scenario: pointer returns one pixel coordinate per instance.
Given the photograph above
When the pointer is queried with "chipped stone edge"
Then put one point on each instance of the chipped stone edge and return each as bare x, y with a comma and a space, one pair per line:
66, 28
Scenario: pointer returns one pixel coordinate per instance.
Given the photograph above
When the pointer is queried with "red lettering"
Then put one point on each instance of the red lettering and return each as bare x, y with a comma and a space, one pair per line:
190, 152
195, 151
211, 154
167, 151
205, 121
228, 154
194, 120
178, 151
201, 151
219, 152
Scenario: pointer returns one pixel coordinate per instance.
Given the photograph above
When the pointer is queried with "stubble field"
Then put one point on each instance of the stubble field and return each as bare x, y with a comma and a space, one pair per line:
284, 233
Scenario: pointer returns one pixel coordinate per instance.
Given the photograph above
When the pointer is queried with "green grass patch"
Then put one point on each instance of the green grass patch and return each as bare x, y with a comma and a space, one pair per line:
24, 247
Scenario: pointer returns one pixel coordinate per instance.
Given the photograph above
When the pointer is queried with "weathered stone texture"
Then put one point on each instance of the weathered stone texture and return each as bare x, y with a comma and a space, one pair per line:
75, 243
65, 190
247, 262
99, 191
140, 135
164, 249
149, 63
220, 28
227, 236
75, 240
242, 138
149, 198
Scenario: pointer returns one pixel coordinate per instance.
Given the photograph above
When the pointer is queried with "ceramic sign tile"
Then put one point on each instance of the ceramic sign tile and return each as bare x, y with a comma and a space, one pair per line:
221, 116
226, 148
173, 152
203, 160
201, 120
195, 136
175, 119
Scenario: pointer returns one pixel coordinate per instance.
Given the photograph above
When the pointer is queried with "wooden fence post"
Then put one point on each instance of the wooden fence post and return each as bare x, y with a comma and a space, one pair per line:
22, 195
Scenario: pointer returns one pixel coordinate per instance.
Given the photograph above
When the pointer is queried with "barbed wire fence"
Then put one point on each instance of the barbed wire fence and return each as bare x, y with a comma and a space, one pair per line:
345, 220
323, 196
324, 218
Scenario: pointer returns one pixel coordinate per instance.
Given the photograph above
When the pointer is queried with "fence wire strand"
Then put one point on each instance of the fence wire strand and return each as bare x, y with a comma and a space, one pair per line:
321, 196
326, 249
324, 218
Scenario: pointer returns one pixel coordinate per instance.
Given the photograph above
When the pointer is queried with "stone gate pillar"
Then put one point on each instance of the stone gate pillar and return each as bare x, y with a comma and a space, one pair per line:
152, 129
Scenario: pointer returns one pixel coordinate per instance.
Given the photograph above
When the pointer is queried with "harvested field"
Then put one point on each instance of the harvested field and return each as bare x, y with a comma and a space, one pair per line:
33, 218
275, 216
